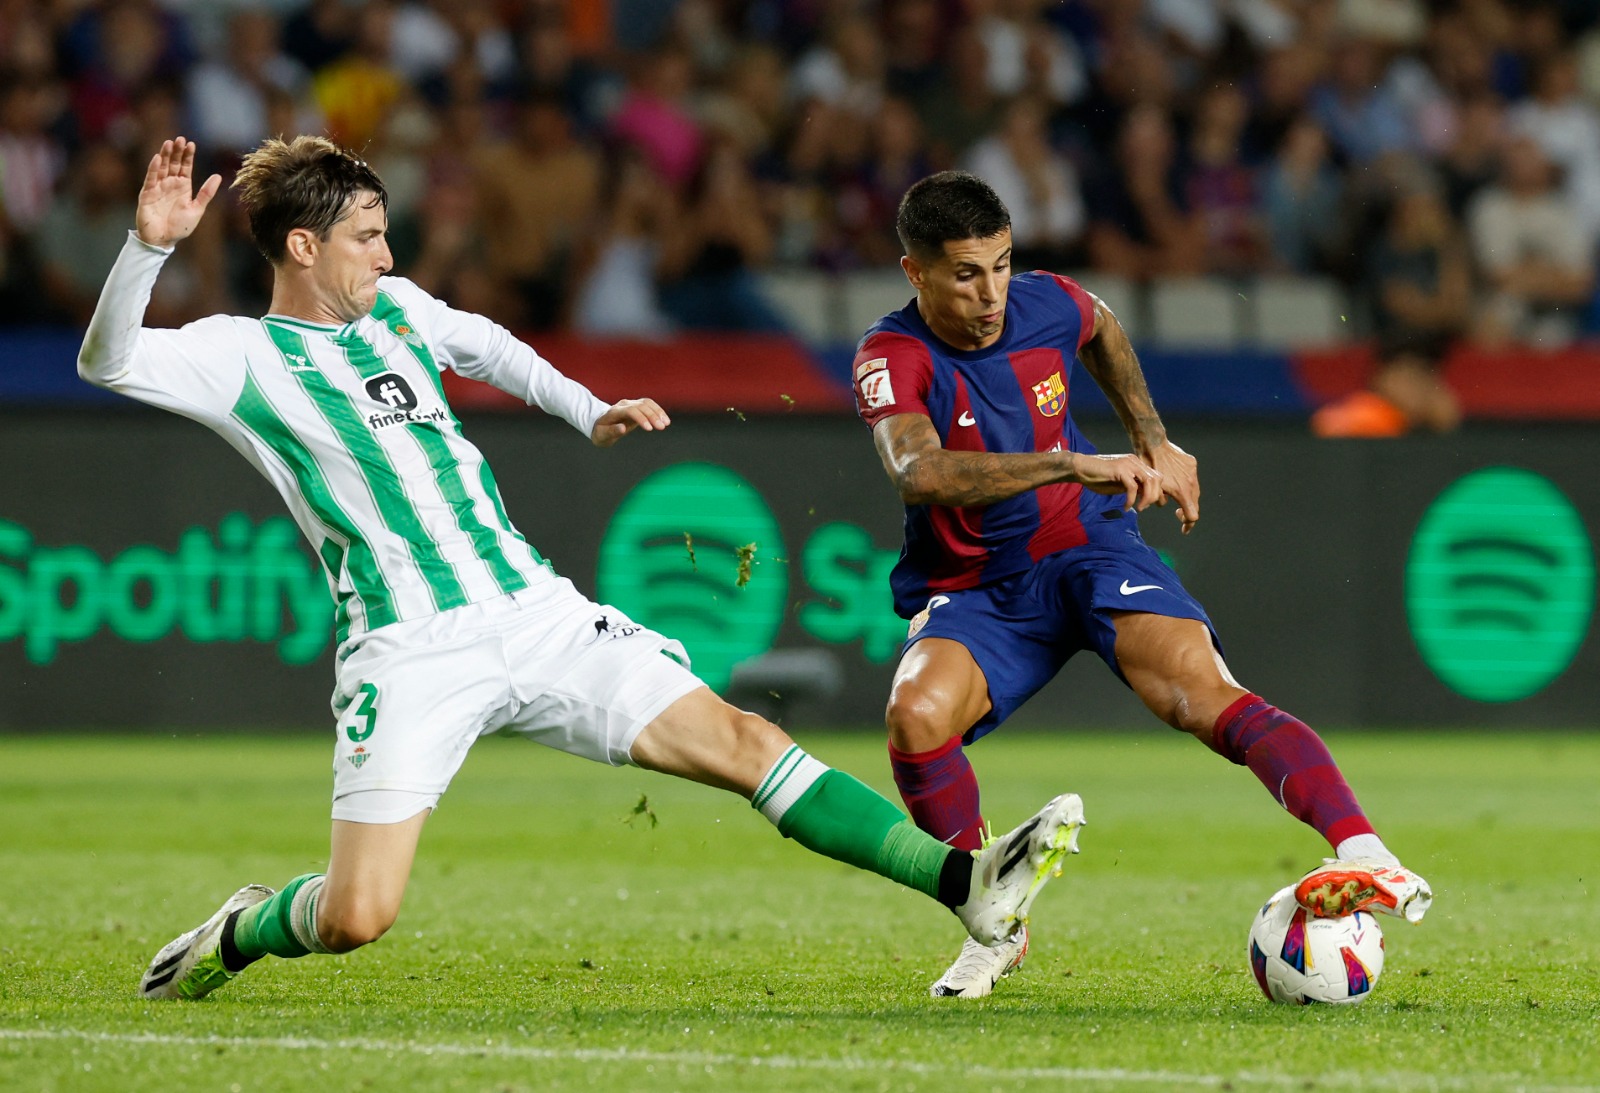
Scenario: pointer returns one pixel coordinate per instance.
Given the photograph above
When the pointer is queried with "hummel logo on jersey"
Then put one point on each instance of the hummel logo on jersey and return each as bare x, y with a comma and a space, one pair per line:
1129, 589
297, 363
966, 418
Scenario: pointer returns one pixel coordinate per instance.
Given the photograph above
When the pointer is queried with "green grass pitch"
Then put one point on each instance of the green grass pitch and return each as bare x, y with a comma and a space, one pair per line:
547, 944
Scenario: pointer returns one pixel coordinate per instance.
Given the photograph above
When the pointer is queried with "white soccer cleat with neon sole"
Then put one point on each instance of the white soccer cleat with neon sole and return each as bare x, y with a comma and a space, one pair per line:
1008, 873
980, 967
1340, 888
189, 966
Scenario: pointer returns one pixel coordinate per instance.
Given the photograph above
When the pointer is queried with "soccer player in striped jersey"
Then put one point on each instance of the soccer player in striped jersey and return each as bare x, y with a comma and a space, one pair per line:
1023, 548
450, 625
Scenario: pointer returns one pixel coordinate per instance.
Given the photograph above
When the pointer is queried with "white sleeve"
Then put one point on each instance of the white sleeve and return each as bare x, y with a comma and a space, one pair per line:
482, 349
197, 371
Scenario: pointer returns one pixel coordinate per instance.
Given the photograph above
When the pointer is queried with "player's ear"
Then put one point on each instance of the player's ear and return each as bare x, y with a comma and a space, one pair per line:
300, 247
913, 270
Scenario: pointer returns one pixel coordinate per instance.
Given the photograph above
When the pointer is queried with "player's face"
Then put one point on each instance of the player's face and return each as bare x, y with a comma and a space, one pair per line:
355, 255
962, 294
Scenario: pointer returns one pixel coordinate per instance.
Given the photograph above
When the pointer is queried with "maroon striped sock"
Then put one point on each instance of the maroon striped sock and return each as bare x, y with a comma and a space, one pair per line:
1293, 763
940, 792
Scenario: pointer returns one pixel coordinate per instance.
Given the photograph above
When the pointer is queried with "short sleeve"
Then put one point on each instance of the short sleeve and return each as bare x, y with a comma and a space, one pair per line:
892, 375
1083, 301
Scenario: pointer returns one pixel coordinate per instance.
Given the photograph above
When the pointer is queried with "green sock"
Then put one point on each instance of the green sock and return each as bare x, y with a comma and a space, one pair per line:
284, 925
831, 813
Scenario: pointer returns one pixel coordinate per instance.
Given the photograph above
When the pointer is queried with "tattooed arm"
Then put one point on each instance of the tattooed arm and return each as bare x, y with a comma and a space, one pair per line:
1110, 359
926, 473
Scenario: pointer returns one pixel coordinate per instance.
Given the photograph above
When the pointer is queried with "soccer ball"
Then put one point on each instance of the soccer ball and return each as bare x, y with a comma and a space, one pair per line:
1298, 958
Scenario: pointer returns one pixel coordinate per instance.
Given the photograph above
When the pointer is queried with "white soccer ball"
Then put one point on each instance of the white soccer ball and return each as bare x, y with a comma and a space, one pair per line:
1298, 958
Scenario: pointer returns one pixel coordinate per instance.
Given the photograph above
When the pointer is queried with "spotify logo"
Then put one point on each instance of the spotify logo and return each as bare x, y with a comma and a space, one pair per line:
1500, 584
677, 557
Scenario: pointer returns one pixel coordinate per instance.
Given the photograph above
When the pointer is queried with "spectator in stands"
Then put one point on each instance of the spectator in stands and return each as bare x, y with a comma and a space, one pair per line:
1038, 184
1140, 225
114, 50
1540, 271
320, 33
711, 245
655, 116
1025, 54
537, 192
1301, 200
30, 161
845, 70
749, 104
356, 91
551, 63
1567, 127
867, 191
617, 269
452, 249
1282, 92
914, 46
228, 95
85, 229
1421, 298
1363, 119
1220, 187
964, 108
1471, 161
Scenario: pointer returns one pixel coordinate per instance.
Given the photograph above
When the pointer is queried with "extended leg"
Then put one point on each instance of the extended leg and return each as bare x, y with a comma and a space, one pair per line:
1176, 671
704, 739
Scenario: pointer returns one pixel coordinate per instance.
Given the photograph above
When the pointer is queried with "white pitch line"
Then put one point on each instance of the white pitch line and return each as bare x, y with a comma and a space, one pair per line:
791, 1062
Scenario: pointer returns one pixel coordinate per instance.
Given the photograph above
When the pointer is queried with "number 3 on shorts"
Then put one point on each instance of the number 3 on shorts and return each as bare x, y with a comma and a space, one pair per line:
366, 714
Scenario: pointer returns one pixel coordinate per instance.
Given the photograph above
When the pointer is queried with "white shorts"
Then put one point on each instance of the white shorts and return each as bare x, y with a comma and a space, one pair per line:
546, 663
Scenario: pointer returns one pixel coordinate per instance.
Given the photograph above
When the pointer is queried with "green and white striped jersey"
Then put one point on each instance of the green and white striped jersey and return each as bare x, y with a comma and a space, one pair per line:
351, 425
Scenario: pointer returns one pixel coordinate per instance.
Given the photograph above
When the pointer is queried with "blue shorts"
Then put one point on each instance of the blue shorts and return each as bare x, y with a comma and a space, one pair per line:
1023, 629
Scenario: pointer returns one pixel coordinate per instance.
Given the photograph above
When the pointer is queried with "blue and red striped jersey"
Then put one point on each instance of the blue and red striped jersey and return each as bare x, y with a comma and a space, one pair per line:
1010, 397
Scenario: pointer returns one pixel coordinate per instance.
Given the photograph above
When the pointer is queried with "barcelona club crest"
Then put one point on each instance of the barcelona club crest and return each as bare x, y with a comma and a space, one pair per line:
1051, 395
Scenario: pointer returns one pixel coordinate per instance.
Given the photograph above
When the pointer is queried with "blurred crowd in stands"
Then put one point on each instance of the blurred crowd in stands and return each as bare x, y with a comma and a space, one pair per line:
630, 166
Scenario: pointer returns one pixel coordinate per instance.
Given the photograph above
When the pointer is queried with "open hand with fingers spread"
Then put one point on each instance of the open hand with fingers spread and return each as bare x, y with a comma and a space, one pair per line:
169, 208
624, 417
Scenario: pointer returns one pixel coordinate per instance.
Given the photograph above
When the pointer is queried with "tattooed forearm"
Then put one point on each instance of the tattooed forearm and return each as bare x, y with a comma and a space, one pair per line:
925, 473
955, 479
1110, 359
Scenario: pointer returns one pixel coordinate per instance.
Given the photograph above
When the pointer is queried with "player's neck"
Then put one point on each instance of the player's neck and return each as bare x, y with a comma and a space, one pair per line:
956, 337
295, 300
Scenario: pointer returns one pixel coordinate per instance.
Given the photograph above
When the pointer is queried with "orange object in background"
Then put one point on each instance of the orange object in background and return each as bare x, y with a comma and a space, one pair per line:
1359, 414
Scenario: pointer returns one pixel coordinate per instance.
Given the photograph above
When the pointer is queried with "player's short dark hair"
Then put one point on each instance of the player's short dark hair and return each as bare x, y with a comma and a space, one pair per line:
309, 182
948, 205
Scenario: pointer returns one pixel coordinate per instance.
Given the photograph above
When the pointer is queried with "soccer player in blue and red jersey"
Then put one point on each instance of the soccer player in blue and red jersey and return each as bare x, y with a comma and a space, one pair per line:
1022, 547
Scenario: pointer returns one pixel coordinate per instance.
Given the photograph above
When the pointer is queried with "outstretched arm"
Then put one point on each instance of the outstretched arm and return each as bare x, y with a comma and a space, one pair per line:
1110, 359
927, 473
168, 210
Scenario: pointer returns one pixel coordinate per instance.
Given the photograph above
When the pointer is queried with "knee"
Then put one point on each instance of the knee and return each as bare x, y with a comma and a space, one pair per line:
918, 721
352, 923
